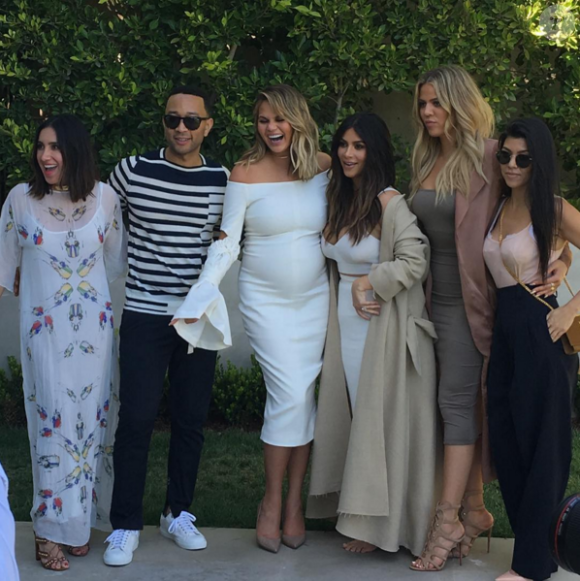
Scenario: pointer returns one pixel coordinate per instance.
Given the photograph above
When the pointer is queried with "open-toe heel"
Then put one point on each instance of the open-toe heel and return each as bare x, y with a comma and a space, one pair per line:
472, 530
50, 554
81, 551
439, 539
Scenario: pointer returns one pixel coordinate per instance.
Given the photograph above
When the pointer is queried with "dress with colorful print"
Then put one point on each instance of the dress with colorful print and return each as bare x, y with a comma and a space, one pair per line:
68, 252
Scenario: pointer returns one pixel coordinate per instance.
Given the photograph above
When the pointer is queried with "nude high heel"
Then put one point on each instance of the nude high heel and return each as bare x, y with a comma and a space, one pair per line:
266, 543
293, 541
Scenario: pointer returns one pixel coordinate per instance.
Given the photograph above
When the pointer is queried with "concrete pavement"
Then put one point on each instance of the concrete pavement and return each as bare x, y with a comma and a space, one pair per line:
232, 555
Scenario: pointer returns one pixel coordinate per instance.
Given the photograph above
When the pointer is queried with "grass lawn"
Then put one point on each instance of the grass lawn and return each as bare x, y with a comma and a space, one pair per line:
230, 483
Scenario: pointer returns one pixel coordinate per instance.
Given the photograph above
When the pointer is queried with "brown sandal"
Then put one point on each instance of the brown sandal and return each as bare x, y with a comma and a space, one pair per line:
472, 531
81, 551
437, 539
51, 556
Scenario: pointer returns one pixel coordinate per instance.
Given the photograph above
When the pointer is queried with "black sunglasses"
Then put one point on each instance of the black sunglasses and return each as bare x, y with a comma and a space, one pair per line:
192, 122
522, 159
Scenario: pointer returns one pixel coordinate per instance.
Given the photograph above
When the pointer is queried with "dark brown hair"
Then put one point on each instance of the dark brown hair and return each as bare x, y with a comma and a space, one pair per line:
543, 188
80, 170
360, 212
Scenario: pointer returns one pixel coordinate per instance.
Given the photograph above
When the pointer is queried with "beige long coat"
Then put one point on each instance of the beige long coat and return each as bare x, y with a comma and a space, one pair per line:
378, 471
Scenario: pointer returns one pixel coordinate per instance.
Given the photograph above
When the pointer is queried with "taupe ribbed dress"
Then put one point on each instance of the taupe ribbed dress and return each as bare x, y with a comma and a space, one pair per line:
459, 361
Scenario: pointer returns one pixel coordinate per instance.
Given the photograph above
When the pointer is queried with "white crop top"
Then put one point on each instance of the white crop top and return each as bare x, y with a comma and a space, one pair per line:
353, 259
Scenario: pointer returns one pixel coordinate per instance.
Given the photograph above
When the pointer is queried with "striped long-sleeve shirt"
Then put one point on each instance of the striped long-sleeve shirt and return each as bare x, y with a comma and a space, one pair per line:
173, 213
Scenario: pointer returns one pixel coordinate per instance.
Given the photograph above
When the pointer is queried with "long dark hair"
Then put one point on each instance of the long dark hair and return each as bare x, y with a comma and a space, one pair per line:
360, 212
543, 186
80, 170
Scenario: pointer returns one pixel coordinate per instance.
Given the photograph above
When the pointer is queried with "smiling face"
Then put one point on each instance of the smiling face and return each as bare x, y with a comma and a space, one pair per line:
352, 154
274, 130
431, 112
181, 141
515, 177
49, 157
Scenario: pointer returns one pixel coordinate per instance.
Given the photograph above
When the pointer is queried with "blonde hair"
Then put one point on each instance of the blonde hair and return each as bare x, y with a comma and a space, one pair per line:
469, 123
292, 106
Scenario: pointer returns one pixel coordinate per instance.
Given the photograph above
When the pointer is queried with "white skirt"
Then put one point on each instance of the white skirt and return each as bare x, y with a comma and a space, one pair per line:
353, 336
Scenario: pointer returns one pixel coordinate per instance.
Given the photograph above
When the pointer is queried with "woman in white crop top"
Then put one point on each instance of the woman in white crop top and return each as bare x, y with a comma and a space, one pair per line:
530, 376
375, 438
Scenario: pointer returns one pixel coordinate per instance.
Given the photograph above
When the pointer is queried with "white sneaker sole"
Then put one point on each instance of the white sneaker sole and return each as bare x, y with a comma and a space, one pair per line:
198, 544
121, 564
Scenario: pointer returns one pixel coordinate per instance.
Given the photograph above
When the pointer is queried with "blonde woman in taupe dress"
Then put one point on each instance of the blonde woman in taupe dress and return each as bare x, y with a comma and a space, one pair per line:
455, 193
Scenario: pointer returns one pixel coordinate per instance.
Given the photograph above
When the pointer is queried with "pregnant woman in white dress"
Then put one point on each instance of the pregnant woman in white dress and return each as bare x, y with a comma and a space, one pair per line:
374, 458
65, 231
276, 195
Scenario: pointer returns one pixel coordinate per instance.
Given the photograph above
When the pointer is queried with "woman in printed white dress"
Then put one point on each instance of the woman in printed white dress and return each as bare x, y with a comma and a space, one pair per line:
64, 229
276, 194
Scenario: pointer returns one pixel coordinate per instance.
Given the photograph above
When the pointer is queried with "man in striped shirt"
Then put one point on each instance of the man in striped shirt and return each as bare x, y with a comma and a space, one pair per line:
173, 198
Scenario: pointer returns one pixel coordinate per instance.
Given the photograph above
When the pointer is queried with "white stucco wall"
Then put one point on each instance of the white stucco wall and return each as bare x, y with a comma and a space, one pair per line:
239, 353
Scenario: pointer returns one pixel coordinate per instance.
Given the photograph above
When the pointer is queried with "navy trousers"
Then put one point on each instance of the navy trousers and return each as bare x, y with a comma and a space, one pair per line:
149, 349
528, 397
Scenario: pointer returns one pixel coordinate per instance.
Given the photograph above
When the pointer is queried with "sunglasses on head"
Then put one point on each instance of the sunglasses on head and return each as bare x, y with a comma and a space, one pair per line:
192, 123
523, 160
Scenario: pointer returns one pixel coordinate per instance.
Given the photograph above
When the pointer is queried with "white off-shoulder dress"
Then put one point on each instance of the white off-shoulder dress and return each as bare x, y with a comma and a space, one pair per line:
284, 296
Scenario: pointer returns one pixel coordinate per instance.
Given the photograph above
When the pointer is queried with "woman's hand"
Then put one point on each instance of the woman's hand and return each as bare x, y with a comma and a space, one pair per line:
556, 272
364, 308
188, 321
560, 320
16, 290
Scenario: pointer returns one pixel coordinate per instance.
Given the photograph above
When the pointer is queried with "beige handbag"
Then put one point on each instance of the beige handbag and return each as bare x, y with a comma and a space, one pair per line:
570, 339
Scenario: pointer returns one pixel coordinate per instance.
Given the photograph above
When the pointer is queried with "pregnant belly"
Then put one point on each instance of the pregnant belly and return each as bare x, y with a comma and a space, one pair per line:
282, 266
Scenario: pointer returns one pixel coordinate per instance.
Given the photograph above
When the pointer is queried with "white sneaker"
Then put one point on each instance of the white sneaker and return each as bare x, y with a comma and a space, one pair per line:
182, 531
122, 543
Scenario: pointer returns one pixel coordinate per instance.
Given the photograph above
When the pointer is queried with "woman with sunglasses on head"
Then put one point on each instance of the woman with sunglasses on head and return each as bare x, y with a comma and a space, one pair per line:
65, 229
276, 195
530, 377
455, 193
375, 443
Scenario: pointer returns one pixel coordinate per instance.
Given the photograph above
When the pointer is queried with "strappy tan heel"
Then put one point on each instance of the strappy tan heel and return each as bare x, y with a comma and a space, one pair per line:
81, 551
52, 555
472, 531
438, 539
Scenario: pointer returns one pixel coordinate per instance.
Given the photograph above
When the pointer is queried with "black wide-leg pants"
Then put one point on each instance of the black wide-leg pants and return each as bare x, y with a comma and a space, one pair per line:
150, 348
528, 396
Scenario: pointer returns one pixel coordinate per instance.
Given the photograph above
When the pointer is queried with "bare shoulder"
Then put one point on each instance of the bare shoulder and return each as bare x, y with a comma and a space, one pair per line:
242, 173
386, 196
324, 161
569, 211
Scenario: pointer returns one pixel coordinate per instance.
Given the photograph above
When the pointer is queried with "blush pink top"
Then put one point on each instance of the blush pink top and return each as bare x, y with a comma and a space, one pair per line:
520, 252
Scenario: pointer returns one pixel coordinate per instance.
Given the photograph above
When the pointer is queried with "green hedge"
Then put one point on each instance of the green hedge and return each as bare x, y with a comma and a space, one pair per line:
112, 62
238, 396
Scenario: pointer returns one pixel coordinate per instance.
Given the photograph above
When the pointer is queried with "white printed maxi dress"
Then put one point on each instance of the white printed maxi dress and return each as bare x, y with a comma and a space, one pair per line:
67, 252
